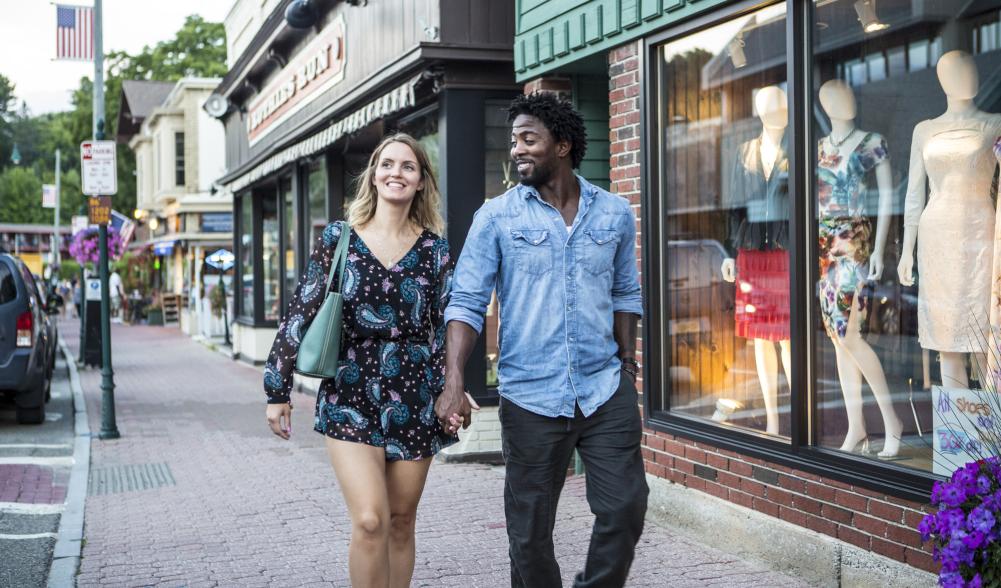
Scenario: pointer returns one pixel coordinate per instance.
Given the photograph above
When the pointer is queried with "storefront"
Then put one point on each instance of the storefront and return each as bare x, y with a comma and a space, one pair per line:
303, 110
817, 187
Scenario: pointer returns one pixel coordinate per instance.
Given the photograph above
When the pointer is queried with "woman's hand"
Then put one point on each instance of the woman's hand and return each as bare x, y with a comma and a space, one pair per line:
280, 419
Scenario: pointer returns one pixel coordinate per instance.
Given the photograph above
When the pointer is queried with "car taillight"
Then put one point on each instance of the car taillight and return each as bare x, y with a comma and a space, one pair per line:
24, 330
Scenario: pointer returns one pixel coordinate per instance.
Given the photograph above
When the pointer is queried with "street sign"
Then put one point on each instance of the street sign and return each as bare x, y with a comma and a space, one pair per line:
99, 168
93, 289
99, 211
80, 223
48, 196
221, 260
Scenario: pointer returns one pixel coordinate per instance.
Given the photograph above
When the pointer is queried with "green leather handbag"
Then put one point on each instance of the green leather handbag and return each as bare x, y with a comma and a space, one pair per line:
321, 344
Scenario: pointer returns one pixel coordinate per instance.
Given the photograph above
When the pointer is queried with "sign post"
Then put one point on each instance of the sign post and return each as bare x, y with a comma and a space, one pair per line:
100, 178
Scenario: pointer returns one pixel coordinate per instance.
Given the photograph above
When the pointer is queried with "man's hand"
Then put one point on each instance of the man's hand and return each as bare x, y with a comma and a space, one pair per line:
280, 419
454, 406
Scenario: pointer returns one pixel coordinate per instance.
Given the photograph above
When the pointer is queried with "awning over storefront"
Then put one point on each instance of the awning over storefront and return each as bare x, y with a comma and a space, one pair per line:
398, 99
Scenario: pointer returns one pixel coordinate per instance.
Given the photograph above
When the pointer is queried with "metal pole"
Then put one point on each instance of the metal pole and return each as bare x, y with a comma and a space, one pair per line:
109, 430
83, 302
56, 243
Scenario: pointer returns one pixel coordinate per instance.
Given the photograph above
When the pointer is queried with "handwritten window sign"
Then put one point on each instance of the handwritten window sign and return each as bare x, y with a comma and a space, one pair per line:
99, 169
965, 423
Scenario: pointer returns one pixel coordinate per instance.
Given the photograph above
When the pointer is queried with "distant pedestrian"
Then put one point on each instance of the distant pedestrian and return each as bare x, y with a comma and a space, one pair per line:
378, 413
561, 254
117, 294
78, 297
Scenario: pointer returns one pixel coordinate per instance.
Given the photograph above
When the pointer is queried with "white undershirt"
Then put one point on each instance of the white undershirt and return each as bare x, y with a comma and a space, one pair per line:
569, 228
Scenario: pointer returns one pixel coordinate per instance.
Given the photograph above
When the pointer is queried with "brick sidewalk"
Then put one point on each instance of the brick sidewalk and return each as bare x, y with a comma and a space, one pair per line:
198, 492
33, 484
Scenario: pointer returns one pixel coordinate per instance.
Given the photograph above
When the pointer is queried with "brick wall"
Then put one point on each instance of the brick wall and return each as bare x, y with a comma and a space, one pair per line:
873, 521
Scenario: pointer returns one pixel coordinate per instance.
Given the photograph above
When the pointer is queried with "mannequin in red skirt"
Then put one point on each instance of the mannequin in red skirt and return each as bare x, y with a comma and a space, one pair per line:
759, 240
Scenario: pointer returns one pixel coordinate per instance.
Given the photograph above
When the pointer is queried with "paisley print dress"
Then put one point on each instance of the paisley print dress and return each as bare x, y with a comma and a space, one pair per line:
844, 231
392, 358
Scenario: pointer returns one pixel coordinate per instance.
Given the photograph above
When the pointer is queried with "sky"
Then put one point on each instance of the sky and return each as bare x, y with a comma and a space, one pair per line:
28, 42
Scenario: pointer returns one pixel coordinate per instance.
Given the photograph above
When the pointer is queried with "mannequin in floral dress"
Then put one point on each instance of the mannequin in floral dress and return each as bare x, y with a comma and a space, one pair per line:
850, 257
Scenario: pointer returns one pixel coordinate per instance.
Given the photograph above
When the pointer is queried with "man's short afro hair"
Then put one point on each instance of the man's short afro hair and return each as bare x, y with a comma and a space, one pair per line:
558, 115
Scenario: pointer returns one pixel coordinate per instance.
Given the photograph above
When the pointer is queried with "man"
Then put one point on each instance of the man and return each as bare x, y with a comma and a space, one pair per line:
561, 254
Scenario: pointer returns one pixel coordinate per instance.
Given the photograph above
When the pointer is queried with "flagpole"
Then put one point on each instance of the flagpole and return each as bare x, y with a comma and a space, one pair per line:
109, 430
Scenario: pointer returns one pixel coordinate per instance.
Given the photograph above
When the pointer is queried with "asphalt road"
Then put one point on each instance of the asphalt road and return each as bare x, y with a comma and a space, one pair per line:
35, 463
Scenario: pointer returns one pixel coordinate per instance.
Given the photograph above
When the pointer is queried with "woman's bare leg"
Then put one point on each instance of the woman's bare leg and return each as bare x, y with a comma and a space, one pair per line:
404, 484
361, 474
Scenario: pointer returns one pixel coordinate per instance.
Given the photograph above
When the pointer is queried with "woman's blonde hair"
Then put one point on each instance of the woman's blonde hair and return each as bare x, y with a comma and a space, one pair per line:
424, 210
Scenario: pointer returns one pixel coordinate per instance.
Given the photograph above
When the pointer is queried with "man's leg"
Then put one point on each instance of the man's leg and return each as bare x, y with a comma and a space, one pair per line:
617, 491
537, 453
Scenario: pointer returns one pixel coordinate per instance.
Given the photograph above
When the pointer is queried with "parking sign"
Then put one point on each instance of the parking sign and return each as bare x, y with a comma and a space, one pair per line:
100, 174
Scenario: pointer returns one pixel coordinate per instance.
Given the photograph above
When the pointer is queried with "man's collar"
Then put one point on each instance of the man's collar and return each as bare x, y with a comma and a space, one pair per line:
587, 190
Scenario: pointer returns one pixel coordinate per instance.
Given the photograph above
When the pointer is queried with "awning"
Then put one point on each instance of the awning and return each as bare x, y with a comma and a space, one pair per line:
398, 99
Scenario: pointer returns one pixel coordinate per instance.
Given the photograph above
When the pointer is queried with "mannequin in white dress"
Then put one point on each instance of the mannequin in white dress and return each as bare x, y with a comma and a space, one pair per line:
847, 155
952, 154
772, 108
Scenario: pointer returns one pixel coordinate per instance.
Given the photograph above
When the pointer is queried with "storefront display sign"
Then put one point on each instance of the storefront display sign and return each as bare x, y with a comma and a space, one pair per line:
964, 422
315, 68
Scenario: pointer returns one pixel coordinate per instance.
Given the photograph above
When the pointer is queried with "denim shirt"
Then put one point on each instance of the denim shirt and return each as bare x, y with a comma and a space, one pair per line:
557, 292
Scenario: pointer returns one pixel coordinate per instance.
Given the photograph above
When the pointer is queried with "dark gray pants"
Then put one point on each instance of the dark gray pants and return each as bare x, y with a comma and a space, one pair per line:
537, 451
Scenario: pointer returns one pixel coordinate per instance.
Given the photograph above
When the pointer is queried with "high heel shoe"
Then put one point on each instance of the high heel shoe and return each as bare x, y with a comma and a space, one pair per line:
860, 447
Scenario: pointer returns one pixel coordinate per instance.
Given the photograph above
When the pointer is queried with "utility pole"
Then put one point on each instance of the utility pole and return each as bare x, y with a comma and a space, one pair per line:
109, 430
56, 242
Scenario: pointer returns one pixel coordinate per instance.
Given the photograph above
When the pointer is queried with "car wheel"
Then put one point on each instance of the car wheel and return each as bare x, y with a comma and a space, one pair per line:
31, 416
48, 388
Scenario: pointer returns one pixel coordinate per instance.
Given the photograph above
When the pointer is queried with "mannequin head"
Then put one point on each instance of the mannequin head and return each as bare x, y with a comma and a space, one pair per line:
957, 73
838, 100
771, 107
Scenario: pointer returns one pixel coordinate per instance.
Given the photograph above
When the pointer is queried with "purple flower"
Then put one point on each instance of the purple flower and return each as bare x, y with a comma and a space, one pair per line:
983, 484
980, 520
954, 495
976, 582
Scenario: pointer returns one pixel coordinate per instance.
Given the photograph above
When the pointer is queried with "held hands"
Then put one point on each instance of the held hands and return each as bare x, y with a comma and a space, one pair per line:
875, 266
905, 270
729, 270
454, 406
280, 419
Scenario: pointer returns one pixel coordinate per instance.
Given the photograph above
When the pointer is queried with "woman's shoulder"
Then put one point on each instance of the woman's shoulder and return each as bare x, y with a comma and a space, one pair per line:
332, 232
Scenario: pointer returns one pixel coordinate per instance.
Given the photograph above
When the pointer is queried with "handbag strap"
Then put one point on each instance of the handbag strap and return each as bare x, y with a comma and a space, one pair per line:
340, 257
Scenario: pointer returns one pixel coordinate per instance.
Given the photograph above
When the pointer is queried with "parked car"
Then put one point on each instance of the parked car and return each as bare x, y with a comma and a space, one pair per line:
27, 340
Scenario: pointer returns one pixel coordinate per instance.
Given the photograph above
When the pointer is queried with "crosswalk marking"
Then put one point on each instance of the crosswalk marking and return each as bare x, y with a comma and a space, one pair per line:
31, 536
43, 461
34, 446
27, 508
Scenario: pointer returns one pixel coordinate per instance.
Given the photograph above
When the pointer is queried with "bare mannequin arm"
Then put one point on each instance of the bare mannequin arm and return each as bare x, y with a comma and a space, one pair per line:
884, 180
914, 203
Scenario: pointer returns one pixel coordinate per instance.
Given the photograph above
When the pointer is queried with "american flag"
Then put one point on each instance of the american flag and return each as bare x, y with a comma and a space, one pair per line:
74, 32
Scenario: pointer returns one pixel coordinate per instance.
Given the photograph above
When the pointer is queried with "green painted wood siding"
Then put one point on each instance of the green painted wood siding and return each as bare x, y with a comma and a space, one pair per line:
590, 95
552, 33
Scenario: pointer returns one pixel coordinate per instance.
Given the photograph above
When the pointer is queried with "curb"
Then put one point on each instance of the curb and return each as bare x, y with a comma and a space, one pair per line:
69, 541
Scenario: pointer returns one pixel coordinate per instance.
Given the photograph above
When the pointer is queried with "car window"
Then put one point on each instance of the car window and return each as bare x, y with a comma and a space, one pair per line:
8, 289
29, 284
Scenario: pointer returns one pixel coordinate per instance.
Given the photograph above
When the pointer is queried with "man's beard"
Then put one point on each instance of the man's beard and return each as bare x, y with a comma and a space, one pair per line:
539, 175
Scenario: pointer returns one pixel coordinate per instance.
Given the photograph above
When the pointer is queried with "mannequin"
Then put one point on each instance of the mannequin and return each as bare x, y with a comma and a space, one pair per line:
846, 158
953, 155
759, 242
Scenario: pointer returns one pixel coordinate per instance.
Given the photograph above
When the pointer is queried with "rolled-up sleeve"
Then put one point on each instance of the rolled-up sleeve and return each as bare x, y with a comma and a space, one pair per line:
475, 274
626, 293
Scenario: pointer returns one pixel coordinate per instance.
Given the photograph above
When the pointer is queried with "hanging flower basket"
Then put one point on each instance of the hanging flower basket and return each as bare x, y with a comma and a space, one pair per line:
85, 247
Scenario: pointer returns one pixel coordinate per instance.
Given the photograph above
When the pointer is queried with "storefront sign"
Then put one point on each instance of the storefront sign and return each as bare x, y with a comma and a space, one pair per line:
398, 99
965, 422
315, 68
217, 222
99, 210
163, 248
99, 175
48, 196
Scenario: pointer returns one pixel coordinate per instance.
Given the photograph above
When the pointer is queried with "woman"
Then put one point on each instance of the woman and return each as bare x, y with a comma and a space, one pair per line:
378, 412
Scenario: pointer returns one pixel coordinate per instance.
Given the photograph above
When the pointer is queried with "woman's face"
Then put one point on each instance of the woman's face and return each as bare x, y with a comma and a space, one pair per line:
398, 176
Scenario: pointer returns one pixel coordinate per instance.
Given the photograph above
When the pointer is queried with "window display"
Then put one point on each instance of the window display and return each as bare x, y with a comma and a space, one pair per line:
906, 176
723, 123
245, 214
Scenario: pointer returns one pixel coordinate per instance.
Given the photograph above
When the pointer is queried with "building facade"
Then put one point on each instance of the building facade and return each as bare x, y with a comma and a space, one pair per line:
816, 190
304, 108
184, 216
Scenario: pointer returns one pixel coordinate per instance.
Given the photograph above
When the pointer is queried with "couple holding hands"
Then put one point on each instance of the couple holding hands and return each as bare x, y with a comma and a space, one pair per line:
560, 254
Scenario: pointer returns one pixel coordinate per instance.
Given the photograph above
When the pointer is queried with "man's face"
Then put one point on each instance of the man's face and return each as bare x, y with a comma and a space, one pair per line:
534, 151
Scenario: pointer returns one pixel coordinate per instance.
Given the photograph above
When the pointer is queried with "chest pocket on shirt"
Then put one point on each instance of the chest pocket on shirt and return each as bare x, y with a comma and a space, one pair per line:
532, 252
599, 250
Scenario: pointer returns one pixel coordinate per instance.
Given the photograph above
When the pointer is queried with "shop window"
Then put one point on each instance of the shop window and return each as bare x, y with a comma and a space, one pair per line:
723, 210
287, 198
904, 200
245, 214
499, 177
270, 256
316, 185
